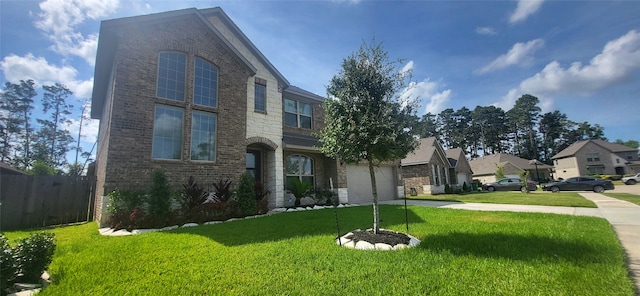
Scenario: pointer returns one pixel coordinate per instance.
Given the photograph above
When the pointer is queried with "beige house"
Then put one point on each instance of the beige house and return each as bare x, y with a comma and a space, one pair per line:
484, 168
460, 171
595, 157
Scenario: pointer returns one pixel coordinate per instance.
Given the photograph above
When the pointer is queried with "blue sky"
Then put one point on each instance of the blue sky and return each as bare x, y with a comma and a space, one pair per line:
579, 57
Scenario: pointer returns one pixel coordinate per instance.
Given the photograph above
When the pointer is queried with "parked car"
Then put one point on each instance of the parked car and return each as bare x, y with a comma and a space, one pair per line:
580, 183
631, 180
509, 184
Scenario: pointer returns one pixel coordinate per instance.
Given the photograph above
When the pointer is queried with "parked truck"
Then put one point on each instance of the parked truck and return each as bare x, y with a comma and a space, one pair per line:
631, 180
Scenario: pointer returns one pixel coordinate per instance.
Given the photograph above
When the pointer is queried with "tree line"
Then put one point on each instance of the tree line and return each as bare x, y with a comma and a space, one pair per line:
39, 145
523, 131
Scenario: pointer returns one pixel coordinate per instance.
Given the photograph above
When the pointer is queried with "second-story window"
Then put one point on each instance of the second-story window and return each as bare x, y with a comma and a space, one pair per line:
591, 157
260, 98
297, 114
171, 75
205, 84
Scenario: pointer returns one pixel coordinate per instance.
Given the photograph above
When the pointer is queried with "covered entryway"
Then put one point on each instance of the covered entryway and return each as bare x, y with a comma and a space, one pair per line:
359, 184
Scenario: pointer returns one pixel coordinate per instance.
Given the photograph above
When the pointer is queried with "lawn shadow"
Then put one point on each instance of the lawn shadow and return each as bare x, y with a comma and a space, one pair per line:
514, 247
284, 226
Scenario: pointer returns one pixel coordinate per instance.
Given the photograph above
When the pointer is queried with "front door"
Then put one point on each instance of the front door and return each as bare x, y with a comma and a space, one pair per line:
254, 164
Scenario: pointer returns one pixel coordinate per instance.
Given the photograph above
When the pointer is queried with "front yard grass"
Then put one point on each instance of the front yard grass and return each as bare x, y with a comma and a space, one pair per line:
462, 253
538, 198
625, 196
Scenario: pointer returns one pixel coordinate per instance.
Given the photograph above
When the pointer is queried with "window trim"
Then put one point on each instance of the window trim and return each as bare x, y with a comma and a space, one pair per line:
262, 83
215, 136
300, 172
593, 157
184, 78
298, 114
182, 136
217, 80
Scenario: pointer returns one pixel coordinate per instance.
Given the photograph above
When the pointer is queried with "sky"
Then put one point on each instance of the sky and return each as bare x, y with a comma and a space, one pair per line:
579, 57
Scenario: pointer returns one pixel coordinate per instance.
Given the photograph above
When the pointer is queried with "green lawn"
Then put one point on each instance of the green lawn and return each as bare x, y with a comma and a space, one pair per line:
538, 198
625, 196
462, 253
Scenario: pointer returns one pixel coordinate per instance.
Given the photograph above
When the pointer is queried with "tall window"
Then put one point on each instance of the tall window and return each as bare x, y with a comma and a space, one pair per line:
300, 167
260, 100
297, 114
593, 157
171, 75
167, 132
205, 84
203, 136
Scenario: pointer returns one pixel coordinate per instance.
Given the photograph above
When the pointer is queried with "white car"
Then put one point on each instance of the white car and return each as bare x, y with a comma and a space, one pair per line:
631, 180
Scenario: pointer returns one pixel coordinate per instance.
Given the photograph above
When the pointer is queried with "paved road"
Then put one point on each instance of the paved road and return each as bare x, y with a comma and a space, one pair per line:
633, 189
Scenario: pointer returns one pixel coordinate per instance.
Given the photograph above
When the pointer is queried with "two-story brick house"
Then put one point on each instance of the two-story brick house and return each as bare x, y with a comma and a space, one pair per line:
187, 92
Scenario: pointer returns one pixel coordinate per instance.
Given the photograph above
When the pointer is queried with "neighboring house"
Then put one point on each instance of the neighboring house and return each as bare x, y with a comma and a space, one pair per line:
595, 157
6, 169
484, 168
187, 92
427, 169
460, 171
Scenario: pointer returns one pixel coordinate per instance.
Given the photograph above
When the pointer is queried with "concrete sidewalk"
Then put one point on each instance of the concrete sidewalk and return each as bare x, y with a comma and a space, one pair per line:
623, 216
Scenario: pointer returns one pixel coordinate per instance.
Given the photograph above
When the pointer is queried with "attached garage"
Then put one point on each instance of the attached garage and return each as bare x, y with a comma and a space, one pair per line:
359, 184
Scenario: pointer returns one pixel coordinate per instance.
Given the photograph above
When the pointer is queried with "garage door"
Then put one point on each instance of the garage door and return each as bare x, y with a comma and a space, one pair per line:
359, 184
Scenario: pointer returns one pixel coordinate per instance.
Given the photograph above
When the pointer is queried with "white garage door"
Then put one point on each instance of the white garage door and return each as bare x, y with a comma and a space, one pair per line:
359, 184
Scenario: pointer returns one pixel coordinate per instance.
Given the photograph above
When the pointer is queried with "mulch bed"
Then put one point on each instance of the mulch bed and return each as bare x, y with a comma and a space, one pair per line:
391, 238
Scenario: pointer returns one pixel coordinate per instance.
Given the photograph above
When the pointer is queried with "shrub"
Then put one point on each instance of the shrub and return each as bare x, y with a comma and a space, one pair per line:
447, 189
125, 208
299, 189
125, 201
223, 190
465, 187
159, 199
261, 197
193, 195
246, 196
34, 254
8, 265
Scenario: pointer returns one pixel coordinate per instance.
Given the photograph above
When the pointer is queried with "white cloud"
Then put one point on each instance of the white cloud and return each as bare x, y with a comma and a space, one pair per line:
16, 68
486, 31
524, 9
519, 54
60, 19
407, 67
426, 89
619, 59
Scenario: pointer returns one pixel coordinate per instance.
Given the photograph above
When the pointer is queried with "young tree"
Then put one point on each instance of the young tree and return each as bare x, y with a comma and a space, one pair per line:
368, 118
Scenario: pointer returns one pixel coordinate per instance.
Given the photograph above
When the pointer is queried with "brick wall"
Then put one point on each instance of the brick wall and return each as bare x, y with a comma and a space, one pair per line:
130, 139
415, 176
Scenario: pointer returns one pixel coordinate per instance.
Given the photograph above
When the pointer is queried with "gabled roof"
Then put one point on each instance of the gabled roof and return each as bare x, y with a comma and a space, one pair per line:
453, 155
9, 170
486, 165
301, 92
245, 40
575, 147
108, 44
426, 151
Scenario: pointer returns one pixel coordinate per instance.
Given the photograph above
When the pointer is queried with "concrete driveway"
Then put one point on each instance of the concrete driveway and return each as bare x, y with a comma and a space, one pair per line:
632, 189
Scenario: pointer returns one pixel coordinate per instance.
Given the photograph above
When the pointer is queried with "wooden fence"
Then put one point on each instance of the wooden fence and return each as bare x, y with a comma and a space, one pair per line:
38, 201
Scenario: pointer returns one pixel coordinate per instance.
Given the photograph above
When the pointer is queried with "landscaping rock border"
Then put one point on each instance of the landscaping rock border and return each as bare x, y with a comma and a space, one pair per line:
123, 232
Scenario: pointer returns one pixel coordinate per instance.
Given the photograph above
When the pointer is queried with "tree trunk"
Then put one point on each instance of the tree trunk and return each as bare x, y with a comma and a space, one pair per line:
374, 191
